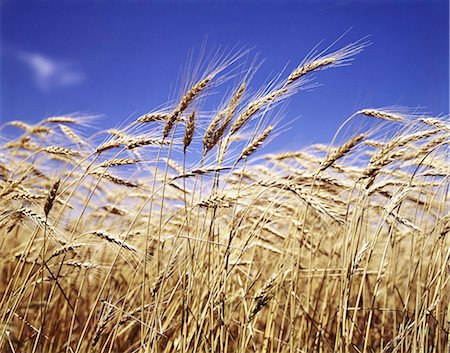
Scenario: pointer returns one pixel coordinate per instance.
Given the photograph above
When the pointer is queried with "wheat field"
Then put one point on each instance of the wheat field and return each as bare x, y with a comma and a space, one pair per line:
179, 232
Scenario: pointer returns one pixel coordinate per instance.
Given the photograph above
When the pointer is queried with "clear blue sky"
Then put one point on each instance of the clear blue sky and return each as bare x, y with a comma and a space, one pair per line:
122, 58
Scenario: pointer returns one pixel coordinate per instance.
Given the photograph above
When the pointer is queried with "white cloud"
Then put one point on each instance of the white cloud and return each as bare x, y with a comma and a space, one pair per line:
50, 73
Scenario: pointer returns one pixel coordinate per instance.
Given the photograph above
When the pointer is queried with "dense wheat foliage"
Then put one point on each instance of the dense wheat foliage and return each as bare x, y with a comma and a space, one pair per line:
176, 233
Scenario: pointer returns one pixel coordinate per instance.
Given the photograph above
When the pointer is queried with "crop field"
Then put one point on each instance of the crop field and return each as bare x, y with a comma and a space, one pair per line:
179, 231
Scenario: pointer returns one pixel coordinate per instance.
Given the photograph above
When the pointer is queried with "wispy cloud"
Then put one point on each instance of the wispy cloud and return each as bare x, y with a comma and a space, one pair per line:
49, 73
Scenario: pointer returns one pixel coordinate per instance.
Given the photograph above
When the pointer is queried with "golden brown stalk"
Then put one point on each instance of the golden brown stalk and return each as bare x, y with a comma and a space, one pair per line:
112, 239
341, 151
51, 197
256, 143
115, 210
101, 324
184, 103
215, 132
21, 195
114, 179
116, 133
71, 134
218, 200
208, 137
373, 143
83, 265
435, 123
116, 162
37, 218
61, 151
109, 145
320, 63
166, 273
382, 114
359, 256
263, 297
61, 119
388, 153
254, 106
64, 250
40, 130
143, 141
151, 117
200, 171
24, 142
231, 109
337, 58
189, 132
20, 125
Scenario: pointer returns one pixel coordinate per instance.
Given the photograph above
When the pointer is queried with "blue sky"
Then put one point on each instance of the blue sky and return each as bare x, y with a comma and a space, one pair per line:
122, 58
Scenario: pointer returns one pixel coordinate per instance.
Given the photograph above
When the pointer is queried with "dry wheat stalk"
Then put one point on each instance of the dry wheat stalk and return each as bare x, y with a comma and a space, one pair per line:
24, 142
214, 132
71, 134
337, 58
256, 143
115, 210
40, 220
254, 106
117, 133
61, 119
64, 250
101, 324
84, 265
112, 239
165, 274
109, 145
51, 197
189, 132
208, 137
20, 125
387, 154
341, 151
359, 256
439, 124
25, 195
61, 151
184, 103
382, 114
40, 130
113, 178
116, 162
217, 200
263, 297
200, 171
143, 141
152, 117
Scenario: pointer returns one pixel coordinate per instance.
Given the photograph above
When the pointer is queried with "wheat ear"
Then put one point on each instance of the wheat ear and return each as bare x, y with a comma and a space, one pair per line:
184, 103
256, 143
189, 132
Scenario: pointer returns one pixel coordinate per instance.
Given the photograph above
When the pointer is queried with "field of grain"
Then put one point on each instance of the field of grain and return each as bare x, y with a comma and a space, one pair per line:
178, 232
